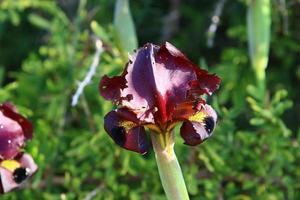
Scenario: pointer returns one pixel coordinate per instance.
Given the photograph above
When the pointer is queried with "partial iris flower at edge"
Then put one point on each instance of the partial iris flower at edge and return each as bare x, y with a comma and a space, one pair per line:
158, 89
15, 165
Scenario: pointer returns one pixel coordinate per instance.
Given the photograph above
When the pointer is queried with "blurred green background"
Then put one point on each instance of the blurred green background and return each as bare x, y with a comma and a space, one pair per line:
47, 47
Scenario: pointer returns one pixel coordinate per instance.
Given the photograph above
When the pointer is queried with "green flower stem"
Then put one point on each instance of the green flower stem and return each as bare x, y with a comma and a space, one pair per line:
168, 166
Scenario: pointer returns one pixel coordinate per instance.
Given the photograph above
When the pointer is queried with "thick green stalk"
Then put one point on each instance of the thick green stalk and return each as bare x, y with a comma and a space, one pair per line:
124, 26
168, 166
259, 26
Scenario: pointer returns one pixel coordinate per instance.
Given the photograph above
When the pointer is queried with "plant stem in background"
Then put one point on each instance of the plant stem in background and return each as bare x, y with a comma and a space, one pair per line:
87, 79
124, 26
168, 166
259, 25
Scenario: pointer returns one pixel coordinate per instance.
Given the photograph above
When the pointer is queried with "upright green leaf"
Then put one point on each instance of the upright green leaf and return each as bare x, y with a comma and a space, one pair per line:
124, 26
259, 25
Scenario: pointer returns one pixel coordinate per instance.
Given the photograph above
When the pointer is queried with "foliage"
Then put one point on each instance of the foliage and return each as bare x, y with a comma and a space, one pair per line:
47, 47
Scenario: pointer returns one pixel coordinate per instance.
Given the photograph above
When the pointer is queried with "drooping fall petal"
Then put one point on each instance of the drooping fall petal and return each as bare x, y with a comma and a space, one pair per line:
123, 127
15, 172
199, 127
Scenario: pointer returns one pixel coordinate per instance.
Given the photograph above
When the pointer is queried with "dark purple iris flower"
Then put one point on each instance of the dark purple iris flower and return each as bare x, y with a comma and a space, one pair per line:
15, 165
158, 89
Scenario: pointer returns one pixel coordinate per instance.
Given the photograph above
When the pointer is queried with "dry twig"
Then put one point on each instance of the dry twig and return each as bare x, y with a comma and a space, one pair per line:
87, 79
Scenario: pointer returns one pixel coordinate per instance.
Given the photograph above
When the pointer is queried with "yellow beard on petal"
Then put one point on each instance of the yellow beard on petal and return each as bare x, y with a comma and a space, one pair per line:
10, 165
127, 125
198, 117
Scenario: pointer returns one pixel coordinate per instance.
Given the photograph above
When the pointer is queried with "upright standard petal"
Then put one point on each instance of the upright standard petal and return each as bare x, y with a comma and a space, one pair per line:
125, 129
202, 82
14, 172
199, 126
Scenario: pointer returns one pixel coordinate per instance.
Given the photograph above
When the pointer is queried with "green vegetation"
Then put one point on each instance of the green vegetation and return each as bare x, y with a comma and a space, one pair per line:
47, 47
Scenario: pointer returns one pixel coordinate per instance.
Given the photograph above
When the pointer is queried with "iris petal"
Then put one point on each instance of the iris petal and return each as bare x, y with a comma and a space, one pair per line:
11, 137
204, 82
110, 88
199, 127
155, 81
123, 127
193, 133
9, 111
10, 177
159, 87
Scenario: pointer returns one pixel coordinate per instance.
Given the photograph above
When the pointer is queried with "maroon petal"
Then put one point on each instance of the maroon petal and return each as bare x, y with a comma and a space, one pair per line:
13, 175
11, 137
124, 128
199, 127
155, 81
110, 88
7, 181
9, 111
204, 82
186, 109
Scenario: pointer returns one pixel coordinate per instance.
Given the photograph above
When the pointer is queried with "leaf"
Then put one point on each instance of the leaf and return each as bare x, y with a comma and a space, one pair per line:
39, 21
257, 121
124, 26
279, 95
99, 31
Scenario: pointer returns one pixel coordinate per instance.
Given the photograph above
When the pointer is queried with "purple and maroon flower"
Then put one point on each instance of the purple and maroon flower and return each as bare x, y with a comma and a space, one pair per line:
15, 165
158, 89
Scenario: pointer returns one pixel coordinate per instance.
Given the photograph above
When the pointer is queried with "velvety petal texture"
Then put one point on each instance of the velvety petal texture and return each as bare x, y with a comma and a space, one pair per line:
159, 88
123, 127
199, 127
15, 172
10, 111
157, 78
11, 137
14, 130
